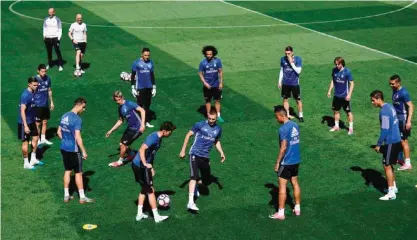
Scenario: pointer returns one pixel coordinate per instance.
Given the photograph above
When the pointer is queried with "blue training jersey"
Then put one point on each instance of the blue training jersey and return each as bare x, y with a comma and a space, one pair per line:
42, 94
128, 111
70, 122
390, 131
210, 70
399, 100
153, 141
205, 137
290, 76
341, 80
27, 98
144, 71
290, 132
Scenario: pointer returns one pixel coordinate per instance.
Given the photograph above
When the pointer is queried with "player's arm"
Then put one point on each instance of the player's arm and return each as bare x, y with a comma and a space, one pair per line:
85, 35
296, 69
142, 150
142, 117
282, 150
52, 106
184, 146
116, 126
23, 114
280, 77
220, 149
153, 83
59, 132
410, 114
203, 80
220, 72
329, 92
44, 29
80, 143
296, 64
351, 86
384, 132
59, 28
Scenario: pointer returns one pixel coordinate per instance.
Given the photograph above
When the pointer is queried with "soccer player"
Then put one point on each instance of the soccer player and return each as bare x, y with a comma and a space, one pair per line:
391, 138
288, 161
343, 84
404, 108
210, 71
143, 82
78, 35
26, 126
143, 170
289, 81
135, 125
72, 149
207, 133
52, 33
43, 103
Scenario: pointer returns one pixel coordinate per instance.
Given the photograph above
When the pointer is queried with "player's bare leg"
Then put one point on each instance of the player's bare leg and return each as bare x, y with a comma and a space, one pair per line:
152, 202
297, 195
67, 179
336, 122
80, 186
282, 197
287, 108
218, 108
389, 172
33, 159
406, 150
25, 154
350, 120
191, 190
300, 110
141, 200
77, 60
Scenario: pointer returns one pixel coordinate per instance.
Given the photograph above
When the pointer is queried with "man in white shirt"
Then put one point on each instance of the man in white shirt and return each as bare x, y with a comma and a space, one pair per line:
52, 32
78, 35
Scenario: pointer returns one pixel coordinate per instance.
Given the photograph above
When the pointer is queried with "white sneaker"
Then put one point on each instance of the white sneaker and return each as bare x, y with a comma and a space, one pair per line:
35, 161
45, 141
334, 129
60, 69
159, 219
141, 216
388, 196
28, 166
192, 206
82, 71
149, 125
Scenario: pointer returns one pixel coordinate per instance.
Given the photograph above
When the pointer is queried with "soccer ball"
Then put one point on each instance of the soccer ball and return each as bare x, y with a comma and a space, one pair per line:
163, 200
77, 73
124, 76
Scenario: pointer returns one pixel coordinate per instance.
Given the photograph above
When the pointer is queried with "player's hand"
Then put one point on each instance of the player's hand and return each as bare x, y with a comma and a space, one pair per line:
27, 130
108, 133
279, 85
182, 154
408, 125
329, 94
377, 149
52, 106
153, 91
84, 155
134, 92
148, 165
142, 128
276, 167
75, 42
221, 86
223, 157
153, 172
291, 59
347, 98
207, 85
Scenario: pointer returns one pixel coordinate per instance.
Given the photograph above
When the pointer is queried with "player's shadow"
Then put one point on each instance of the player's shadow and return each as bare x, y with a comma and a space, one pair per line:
202, 110
86, 182
372, 178
147, 207
274, 196
84, 65
51, 132
329, 120
40, 151
56, 62
203, 187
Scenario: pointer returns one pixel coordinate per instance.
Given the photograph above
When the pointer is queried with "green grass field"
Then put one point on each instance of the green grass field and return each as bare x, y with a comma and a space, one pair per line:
336, 204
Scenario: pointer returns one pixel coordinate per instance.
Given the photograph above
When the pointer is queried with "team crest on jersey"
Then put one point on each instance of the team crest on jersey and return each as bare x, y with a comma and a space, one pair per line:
215, 131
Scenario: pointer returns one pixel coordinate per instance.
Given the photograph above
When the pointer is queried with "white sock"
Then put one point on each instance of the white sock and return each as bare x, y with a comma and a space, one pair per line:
120, 161
33, 156
155, 212
191, 197
81, 192
297, 207
43, 137
300, 114
350, 124
281, 211
140, 209
336, 124
407, 161
218, 114
391, 190
78, 67
26, 161
66, 191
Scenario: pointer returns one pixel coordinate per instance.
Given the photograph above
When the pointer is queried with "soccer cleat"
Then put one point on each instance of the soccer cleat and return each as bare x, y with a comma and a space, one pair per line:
301, 119
405, 167
86, 200
29, 167
290, 116
159, 219
141, 216
68, 198
334, 129
192, 206
36, 162
61, 69
82, 71
220, 119
350, 131
395, 190
45, 141
401, 162
115, 164
296, 212
278, 216
149, 125
388, 197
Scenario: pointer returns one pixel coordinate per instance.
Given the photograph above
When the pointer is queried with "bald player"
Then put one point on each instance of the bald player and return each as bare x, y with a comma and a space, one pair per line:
52, 33
78, 35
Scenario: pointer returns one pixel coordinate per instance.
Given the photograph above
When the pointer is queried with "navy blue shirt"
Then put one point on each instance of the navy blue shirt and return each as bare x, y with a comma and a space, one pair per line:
27, 98
153, 141
128, 111
390, 131
399, 100
290, 132
341, 80
210, 70
42, 94
144, 71
205, 137
70, 122
290, 76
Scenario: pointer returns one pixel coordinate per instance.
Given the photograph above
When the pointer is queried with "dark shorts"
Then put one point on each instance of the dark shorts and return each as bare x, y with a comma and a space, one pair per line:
143, 176
129, 136
80, 46
212, 93
390, 153
339, 103
288, 90
42, 113
288, 171
72, 161
404, 132
144, 98
21, 135
202, 165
